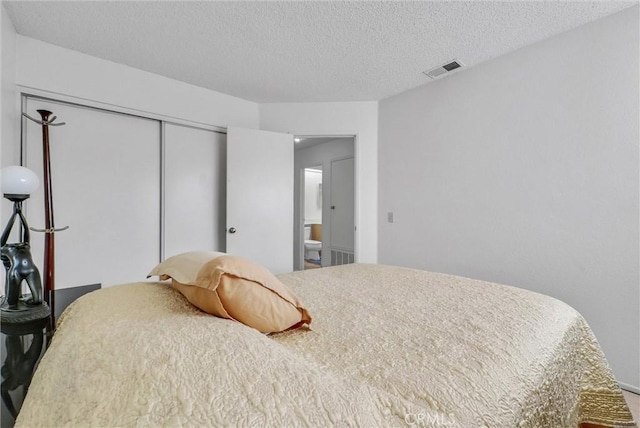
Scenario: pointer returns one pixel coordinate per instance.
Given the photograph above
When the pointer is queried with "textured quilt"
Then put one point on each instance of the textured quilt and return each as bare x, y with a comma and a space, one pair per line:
389, 347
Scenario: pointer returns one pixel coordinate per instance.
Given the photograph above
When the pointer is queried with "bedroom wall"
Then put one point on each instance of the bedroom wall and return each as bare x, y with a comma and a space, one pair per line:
9, 123
524, 170
9, 105
348, 118
62, 71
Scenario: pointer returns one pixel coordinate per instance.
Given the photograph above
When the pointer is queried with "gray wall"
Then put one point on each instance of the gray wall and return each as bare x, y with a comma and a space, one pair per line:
524, 170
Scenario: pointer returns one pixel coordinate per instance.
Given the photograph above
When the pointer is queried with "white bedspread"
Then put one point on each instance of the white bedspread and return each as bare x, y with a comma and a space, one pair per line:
389, 347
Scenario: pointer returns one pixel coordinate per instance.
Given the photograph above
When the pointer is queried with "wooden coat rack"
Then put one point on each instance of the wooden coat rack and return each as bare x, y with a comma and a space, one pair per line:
49, 230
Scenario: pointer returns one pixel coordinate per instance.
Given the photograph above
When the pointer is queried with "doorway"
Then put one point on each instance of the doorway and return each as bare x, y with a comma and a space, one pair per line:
324, 186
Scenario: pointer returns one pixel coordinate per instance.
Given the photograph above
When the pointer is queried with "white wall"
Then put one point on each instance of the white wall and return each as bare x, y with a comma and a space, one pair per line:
524, 170
63, 71
9, 106
349, 118
9, 122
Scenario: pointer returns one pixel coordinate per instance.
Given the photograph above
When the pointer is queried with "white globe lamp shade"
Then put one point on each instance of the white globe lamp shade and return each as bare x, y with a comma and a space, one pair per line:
18, 180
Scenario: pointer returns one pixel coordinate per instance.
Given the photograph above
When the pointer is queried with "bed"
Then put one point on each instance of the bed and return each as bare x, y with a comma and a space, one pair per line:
388, 346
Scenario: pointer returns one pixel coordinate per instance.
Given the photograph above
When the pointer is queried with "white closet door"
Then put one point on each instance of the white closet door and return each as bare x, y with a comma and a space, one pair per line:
195, 190
106, 188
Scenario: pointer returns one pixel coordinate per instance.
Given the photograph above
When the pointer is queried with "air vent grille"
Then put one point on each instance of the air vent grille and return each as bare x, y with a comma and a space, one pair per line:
339, 257
444, 69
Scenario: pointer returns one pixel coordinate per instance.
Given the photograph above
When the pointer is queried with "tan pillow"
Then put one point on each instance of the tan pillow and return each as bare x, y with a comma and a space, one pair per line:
184, 267
236, 288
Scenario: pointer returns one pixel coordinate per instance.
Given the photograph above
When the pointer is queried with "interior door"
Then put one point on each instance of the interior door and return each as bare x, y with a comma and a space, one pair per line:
195, 186
342, 241
260, 197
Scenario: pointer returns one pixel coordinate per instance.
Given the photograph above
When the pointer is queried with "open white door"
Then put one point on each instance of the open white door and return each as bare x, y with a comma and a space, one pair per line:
260, 197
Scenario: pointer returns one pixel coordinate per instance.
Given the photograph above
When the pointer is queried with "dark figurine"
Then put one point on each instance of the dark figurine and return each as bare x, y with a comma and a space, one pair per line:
19, 266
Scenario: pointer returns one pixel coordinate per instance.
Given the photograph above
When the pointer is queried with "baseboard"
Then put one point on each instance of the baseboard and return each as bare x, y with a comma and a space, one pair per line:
629, 388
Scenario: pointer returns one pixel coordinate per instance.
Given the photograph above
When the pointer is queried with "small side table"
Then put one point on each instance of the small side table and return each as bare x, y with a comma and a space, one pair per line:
23, 345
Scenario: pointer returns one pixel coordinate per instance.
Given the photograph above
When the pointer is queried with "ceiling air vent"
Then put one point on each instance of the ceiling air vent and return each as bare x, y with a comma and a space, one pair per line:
434, 73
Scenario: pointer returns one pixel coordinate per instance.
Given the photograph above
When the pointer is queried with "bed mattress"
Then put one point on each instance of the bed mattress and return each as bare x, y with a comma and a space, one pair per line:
389, 346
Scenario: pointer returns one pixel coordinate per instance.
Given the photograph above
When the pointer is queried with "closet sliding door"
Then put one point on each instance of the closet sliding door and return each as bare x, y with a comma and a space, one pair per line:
106, 188
195, 189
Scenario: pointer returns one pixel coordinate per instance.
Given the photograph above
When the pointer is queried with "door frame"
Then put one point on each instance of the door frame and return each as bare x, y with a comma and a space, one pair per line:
299, 172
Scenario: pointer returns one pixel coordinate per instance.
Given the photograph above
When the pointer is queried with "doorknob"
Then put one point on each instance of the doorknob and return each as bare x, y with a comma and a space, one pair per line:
333, 207
232, 230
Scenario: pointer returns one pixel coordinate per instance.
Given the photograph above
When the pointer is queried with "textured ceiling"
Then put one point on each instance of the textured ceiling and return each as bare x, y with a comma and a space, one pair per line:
275, 51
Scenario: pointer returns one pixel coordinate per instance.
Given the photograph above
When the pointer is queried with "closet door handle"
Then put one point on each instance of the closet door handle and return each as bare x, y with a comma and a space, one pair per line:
232, 230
